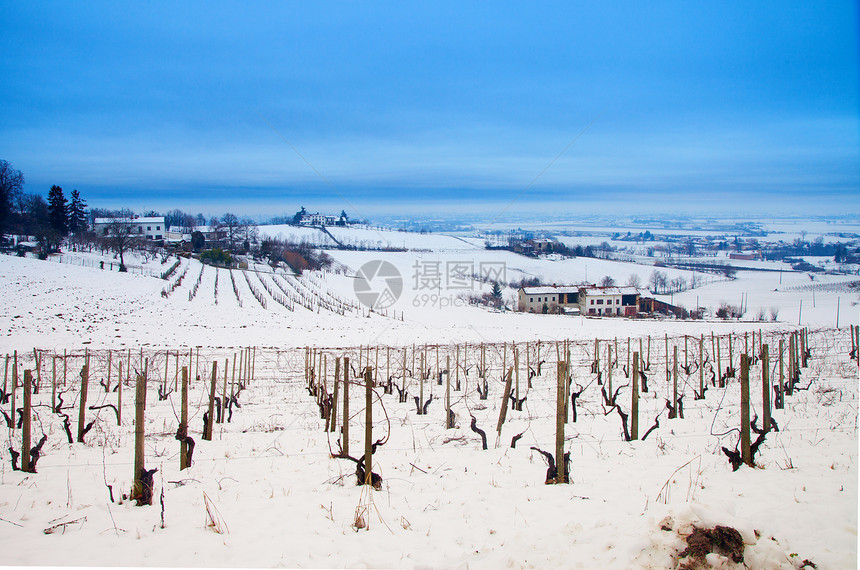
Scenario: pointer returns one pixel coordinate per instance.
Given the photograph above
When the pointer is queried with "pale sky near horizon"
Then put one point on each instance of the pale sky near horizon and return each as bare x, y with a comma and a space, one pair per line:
263, 107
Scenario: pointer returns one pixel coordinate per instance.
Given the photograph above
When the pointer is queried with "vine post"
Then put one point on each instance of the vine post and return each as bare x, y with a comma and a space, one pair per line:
675, 379
779, 403
14, 386
333, 413
503, 412
634, 399
746, 453
791, 364
183, 421
207, 428
85, 379
368, 425
609, 368
702, 365
119, 395
139, 410
560, 400
448, 392
345, 423
25, 441
765, 386
53, 381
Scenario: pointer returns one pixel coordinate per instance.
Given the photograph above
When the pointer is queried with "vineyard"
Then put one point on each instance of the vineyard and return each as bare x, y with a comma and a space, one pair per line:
481, 454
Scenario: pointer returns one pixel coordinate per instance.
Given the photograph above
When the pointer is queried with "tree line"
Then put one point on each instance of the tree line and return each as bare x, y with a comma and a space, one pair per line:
50, 221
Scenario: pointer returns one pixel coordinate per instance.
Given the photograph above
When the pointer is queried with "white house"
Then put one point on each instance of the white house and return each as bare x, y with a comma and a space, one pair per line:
151, 229
532, 299
317, 219
586, 299
609, 301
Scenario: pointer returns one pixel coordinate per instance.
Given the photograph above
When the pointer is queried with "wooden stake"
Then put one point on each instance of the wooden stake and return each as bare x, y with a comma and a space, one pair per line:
224, 392
85, 379
791, 365
504, 411
345, 422
702, 365
14, 387
609, 368
183, 421
675, 382
53, 381
333, 414
668, 372
139, 409
765, 387
560, 401
781, 402
517, 372
720, 378
119, 396
448, 421
634, 404
421, 385
25, 445
210, 420
746, 453
368, 425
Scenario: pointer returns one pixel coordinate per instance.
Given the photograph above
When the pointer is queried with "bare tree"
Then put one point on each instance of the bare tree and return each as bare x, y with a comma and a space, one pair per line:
607, 281
658, 281
634, 281
231, 226
11, 188
122, 236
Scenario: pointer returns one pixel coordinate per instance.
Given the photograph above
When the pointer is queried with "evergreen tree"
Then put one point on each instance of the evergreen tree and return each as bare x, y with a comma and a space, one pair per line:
77, 213
297, 219
58, 210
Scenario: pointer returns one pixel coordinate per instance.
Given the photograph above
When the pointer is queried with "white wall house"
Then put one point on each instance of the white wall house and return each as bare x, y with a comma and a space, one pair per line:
151, 229
609, 301
532, 299
588, 300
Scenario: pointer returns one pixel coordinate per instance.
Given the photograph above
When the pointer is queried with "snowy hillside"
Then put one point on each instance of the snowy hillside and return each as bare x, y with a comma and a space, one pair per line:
267, 491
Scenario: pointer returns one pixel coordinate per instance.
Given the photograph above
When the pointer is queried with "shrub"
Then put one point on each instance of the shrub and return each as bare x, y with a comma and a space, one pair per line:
216, 256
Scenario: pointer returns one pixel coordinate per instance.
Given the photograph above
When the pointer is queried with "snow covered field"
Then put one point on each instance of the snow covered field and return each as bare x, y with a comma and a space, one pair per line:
281, 499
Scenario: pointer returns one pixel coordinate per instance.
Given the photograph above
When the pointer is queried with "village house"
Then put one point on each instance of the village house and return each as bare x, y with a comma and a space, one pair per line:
532, 299
583, 299
150, 228
609, 301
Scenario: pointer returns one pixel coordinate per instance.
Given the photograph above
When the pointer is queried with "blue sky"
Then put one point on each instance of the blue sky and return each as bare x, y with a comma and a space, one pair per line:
443, 107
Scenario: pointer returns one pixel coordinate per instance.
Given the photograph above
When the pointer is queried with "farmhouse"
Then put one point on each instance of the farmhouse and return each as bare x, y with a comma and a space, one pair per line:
610, 301
151, 228
585, 299
532, 299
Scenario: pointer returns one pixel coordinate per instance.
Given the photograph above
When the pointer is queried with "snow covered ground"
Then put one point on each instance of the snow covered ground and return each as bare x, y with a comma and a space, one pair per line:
280, 498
